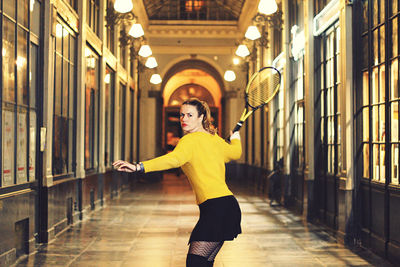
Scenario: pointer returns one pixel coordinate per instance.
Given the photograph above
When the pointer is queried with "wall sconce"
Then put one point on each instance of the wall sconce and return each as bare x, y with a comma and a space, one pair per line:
136, 30
267, 7
151, 62
229, 76
115, 17
155, 79
242, 51
123, 6
252, 33
145, 51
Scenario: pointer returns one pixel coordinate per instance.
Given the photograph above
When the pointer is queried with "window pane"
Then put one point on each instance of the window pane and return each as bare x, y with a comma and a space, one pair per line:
8, 54
375, 121
71, 93
375, 86
59, 34
65, 38
9, 8
57, 159
365, 14
22, 70
64, 143
33, 76
382, 43
382, 84
32, 145
375, 12
395, 122
382, 164
375, 48
394, 6
382, 10
366, 161
365, 52
22, 143
8, 130
58, 85
23, 12
365, 85
395, 39
65, 89
365, 126
70, 145
376, 162
395, 163
72, 58
382, 119
394, 79
35, 17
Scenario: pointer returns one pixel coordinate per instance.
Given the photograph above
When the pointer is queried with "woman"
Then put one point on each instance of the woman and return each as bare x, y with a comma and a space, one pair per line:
202, 155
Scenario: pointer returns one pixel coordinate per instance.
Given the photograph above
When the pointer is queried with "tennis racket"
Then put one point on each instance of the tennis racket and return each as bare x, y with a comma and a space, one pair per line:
261, 88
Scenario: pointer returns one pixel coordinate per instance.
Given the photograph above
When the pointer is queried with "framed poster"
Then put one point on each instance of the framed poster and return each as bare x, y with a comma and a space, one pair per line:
32, 145
21, 147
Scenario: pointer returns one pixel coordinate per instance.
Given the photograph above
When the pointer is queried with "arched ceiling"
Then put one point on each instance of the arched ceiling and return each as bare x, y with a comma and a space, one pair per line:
200, 10
192, 76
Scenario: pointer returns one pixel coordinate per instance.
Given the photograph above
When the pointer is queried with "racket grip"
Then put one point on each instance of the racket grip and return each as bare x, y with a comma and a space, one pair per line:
238, 126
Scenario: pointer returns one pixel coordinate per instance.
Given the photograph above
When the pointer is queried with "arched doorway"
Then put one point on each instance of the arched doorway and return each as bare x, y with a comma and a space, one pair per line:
186, 79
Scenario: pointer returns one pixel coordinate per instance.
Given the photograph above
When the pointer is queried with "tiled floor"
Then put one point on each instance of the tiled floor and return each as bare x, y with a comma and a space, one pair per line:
150, 227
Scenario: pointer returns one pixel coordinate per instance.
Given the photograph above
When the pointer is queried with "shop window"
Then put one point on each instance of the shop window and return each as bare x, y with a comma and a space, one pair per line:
93, 15
329, 86
110, 30
19, 70
122, 118
91, 109
64, 101
380, 92
278, 124
109, 81
299, 120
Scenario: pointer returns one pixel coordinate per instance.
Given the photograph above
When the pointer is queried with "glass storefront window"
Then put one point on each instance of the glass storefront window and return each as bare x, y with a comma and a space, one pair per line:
91, 109
109, 81
64, 99
19, 84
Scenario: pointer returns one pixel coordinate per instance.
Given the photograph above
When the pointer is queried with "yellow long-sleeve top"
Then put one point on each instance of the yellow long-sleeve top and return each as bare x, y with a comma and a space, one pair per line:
202, 157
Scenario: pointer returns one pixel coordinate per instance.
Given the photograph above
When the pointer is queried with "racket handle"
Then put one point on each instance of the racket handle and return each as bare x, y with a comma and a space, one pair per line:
238, 126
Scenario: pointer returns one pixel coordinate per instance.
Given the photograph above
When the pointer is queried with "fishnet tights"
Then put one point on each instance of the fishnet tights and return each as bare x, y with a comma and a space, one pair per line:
206, 249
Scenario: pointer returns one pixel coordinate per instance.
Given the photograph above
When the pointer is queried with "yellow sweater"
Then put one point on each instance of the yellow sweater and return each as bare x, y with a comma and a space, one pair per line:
202, 157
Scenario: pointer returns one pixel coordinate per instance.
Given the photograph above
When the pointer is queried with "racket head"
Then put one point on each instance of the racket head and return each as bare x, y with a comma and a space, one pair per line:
262, 87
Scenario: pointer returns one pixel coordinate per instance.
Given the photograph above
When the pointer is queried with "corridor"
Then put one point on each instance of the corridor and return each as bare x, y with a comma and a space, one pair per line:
149, 226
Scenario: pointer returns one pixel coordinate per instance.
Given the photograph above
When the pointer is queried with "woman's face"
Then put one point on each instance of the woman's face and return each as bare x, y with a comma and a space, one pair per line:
190, 120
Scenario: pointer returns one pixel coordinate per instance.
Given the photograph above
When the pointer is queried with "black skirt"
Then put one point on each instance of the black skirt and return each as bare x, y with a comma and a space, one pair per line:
219, 220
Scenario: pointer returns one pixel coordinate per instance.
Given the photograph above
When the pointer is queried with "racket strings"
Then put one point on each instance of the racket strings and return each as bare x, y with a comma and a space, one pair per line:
263, 87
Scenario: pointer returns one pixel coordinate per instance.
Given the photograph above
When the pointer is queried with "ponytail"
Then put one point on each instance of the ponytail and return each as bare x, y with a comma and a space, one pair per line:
202, 109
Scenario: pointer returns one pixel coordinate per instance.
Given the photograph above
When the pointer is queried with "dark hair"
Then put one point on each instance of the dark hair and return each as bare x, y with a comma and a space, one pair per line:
202, 109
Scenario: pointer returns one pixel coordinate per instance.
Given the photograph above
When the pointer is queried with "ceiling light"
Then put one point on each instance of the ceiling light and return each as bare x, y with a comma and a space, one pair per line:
229, 76
155, 79
123, 6
136, 30
145, 51
252, 33
151, 62
242, 51
267, 7
236, 61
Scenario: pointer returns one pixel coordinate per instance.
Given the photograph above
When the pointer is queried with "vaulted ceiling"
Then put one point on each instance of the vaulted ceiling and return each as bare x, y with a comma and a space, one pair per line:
203, 10
194, 26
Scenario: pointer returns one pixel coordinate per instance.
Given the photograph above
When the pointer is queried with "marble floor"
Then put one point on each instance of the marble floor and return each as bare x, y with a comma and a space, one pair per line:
150, 227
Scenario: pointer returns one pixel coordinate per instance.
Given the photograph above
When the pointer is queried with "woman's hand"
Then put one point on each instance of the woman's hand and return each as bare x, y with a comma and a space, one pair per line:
234, 135
124, 166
